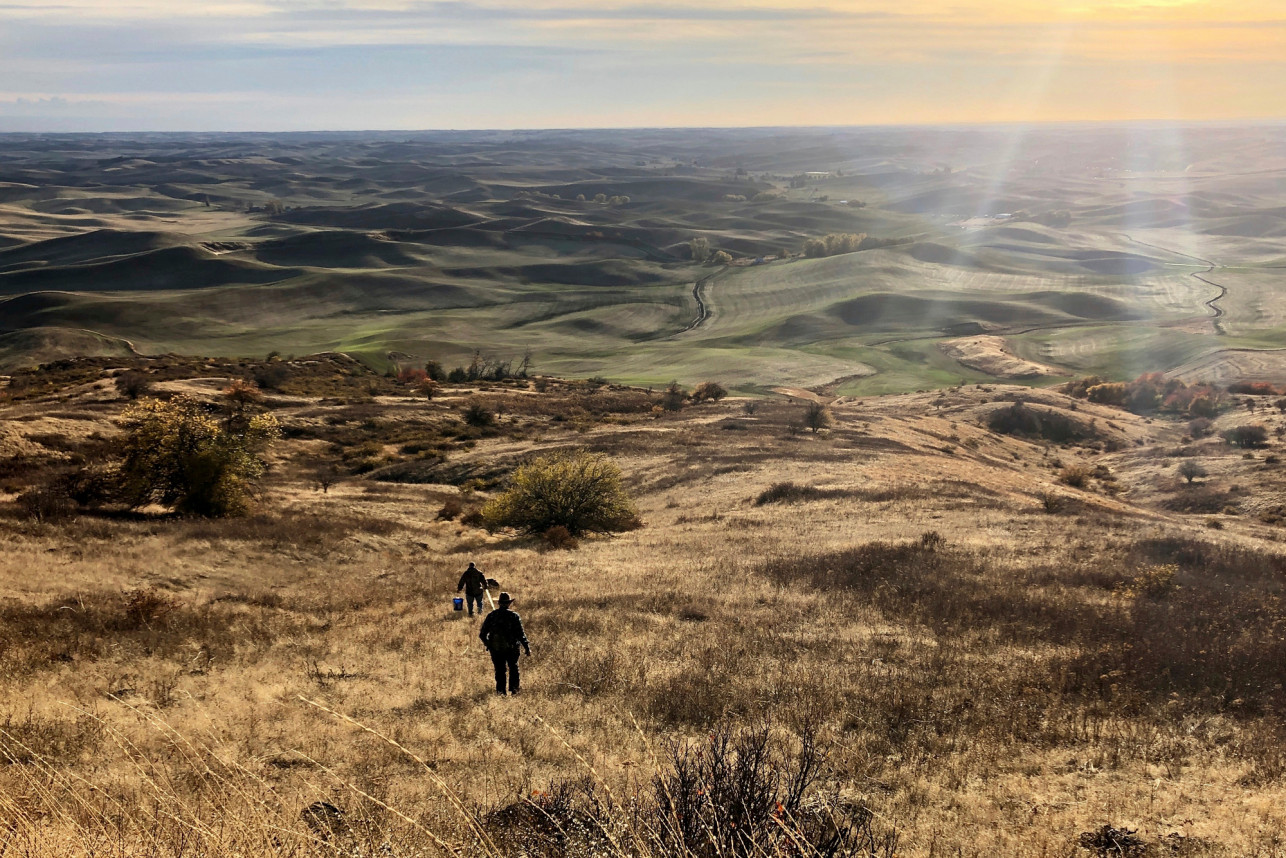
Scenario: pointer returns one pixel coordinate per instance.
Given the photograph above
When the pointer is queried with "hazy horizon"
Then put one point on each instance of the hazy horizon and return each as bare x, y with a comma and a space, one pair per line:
352, 65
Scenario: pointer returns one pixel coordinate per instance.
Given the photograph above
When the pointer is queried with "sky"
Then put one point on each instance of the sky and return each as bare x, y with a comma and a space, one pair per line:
283, 65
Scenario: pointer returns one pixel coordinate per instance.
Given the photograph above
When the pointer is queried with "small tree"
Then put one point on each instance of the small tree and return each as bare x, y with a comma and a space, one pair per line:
578, 490
132, 384
1246, 436
180, 455
326, 476
1190, 470
711, 391
721, 257
817, 417
700, 248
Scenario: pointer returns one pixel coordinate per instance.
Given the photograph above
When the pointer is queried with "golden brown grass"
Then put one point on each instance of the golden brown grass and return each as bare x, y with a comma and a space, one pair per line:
176, 687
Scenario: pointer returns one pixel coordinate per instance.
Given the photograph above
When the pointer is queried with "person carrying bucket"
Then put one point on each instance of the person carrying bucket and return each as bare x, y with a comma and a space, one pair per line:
474, 584
502, 634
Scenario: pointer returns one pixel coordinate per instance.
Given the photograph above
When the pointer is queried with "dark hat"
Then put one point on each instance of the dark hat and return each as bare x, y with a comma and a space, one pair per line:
504, 599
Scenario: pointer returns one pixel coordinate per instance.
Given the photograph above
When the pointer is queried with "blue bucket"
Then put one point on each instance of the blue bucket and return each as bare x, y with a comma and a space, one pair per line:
457, 603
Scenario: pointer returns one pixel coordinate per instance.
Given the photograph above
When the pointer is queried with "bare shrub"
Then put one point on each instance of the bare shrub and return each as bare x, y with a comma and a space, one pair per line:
46, 503
132, 384
1200, 427
1153, 581
560, 538
708, 391
1075, 476
741, 793
674, 397
477, 414
817, 417
1191, 470
451, 508
1111, 842
147, 606
789, 492
1202, 499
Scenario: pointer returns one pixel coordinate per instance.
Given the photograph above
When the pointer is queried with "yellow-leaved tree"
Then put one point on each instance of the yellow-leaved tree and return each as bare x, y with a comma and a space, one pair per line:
181, 454
578, 490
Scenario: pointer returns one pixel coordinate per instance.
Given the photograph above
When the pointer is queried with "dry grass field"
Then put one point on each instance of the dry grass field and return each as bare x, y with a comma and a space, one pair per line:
981, 644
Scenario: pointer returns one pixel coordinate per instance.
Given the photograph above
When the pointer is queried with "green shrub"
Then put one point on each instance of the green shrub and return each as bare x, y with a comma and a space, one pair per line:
580, 491
1246, 436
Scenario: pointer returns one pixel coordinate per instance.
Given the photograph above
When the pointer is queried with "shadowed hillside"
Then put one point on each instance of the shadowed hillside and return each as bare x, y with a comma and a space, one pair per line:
796, 257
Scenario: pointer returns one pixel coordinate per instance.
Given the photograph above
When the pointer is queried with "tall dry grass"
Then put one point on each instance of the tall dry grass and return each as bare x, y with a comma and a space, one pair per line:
975, 675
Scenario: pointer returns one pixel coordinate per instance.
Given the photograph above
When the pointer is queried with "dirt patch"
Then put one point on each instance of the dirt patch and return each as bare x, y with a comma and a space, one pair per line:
991, 355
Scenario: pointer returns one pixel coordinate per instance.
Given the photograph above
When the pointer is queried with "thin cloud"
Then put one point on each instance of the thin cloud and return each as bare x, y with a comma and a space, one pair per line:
451, 62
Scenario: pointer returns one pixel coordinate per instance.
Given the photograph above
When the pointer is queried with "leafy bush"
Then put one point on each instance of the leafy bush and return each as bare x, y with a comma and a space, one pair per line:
1150, 392
272, 376
833, 244
1109, 393
699, 248
580, 491
711, 391
180, 455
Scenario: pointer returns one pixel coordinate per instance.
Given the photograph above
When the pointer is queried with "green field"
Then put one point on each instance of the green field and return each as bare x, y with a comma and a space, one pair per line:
407, 251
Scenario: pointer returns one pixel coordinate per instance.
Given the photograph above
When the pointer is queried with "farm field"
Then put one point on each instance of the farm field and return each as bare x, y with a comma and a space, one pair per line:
576, 248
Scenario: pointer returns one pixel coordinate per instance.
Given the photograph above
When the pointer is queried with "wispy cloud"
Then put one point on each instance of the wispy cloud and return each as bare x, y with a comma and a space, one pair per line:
310, 62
